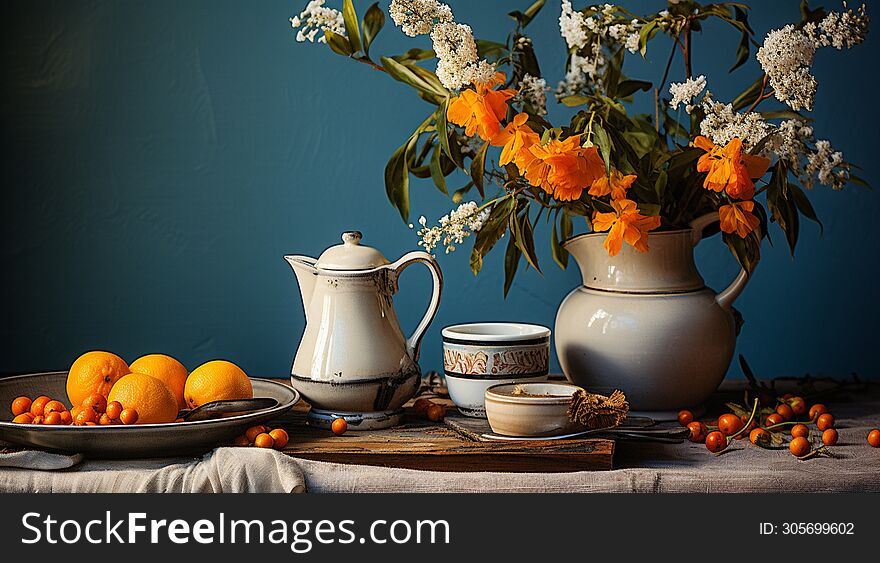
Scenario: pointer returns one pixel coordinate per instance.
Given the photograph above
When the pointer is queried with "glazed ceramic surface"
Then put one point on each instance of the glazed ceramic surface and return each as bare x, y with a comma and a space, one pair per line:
137, 440
645, 323
353, 356
542, 410
479, 355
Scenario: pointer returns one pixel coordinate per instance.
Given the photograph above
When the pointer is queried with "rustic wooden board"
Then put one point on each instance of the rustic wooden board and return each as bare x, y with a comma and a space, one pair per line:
420, 444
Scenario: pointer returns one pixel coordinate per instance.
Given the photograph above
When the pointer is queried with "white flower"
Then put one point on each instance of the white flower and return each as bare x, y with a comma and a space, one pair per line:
315, 19
417, 17
686, 92
826, 165
722, 123
840, 30
452, 228
533, 92
571, 26
786, 56
581, 72
790, 143
458, 64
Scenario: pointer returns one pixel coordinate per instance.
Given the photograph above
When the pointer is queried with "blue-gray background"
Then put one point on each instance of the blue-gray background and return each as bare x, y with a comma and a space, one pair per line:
161, 156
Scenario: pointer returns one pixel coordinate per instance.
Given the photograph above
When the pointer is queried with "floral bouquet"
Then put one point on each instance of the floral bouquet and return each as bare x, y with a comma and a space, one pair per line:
624, 173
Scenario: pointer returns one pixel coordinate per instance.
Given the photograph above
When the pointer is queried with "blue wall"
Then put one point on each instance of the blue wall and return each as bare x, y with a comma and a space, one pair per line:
160, 158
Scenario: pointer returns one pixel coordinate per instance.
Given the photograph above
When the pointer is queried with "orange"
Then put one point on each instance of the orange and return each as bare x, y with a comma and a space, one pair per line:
281, 438
215, 381
53, 406
94, 372
264, 441
39, 404
153, 400
167, 370
23, 418
66, 418
84, 416
53, 418
255, 431
21, 405
129, 416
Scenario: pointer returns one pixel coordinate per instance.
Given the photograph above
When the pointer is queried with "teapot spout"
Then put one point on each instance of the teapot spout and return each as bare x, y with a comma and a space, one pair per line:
306, 276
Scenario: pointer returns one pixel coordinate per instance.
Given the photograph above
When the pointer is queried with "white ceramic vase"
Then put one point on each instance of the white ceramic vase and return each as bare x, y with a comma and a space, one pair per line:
646, 323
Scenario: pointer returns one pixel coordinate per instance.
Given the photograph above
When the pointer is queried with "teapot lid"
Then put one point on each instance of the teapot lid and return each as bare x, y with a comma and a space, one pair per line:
350, 255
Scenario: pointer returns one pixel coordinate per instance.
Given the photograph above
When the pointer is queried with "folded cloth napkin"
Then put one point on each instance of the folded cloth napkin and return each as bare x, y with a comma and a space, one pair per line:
36, 459
223, 470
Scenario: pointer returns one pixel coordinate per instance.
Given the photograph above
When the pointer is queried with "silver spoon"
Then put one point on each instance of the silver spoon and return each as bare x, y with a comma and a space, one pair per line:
215, 409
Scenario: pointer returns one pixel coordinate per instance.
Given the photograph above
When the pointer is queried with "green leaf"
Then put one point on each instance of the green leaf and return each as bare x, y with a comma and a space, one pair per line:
374, 21
747, 251
604, 144
612, 73
560, 255
459, 193
660, 184
783, 211
349, 16
629, 87
397, 178
415, 54
490, 50
532, 11
338, 43
742, 50
572, 101
803, 204
521, 230
437, 170
641, 143
492, 230
403, 73
645, 34
511, 263
478, 168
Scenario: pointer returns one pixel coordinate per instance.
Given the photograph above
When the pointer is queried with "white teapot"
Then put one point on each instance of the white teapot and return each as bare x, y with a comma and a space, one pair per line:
353, 361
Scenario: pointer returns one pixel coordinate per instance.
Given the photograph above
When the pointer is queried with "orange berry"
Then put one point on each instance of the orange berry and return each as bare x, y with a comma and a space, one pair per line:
66, 418
829, 437
39, 404
178, 420
816, 410
759, 437
37, 419
773, 420
114, 409
241, 441
825, 421
280, 436
799, 446
685, 417
785, 411
874, 438
85, 415
339, 426
90, 423
21, 405
729, 424
264, 441
53, 406
128, 416
53, 418
799, 430
254, 431
96, 402
23, 418
716, 441
105, 420
798, 405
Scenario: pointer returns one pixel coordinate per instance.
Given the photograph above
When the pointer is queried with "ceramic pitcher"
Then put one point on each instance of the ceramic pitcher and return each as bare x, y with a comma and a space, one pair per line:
646, 323
353, 360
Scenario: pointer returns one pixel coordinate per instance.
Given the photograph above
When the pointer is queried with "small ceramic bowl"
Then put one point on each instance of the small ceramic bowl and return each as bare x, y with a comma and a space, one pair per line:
530, 409
479, 355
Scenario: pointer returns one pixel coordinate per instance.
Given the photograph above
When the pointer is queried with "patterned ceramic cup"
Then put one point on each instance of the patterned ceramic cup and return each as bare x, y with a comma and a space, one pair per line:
477, 356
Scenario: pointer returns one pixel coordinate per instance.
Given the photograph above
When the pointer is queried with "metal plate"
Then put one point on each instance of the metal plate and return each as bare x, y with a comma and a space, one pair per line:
137, 441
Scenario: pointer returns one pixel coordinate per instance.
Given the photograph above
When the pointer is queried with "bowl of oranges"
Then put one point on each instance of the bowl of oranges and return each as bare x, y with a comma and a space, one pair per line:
104, 407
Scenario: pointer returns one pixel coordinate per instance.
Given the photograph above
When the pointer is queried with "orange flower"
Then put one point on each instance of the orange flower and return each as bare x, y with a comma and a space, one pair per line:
625, 224
616, 185
564, 168
481, 110
737, 217
729, 168
516, 138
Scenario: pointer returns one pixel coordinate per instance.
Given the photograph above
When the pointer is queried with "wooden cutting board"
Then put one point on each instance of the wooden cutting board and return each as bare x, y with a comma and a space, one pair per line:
448, 446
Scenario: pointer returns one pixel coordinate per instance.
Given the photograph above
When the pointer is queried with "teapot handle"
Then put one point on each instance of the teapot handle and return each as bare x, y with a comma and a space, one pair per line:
414, 342
726, 297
